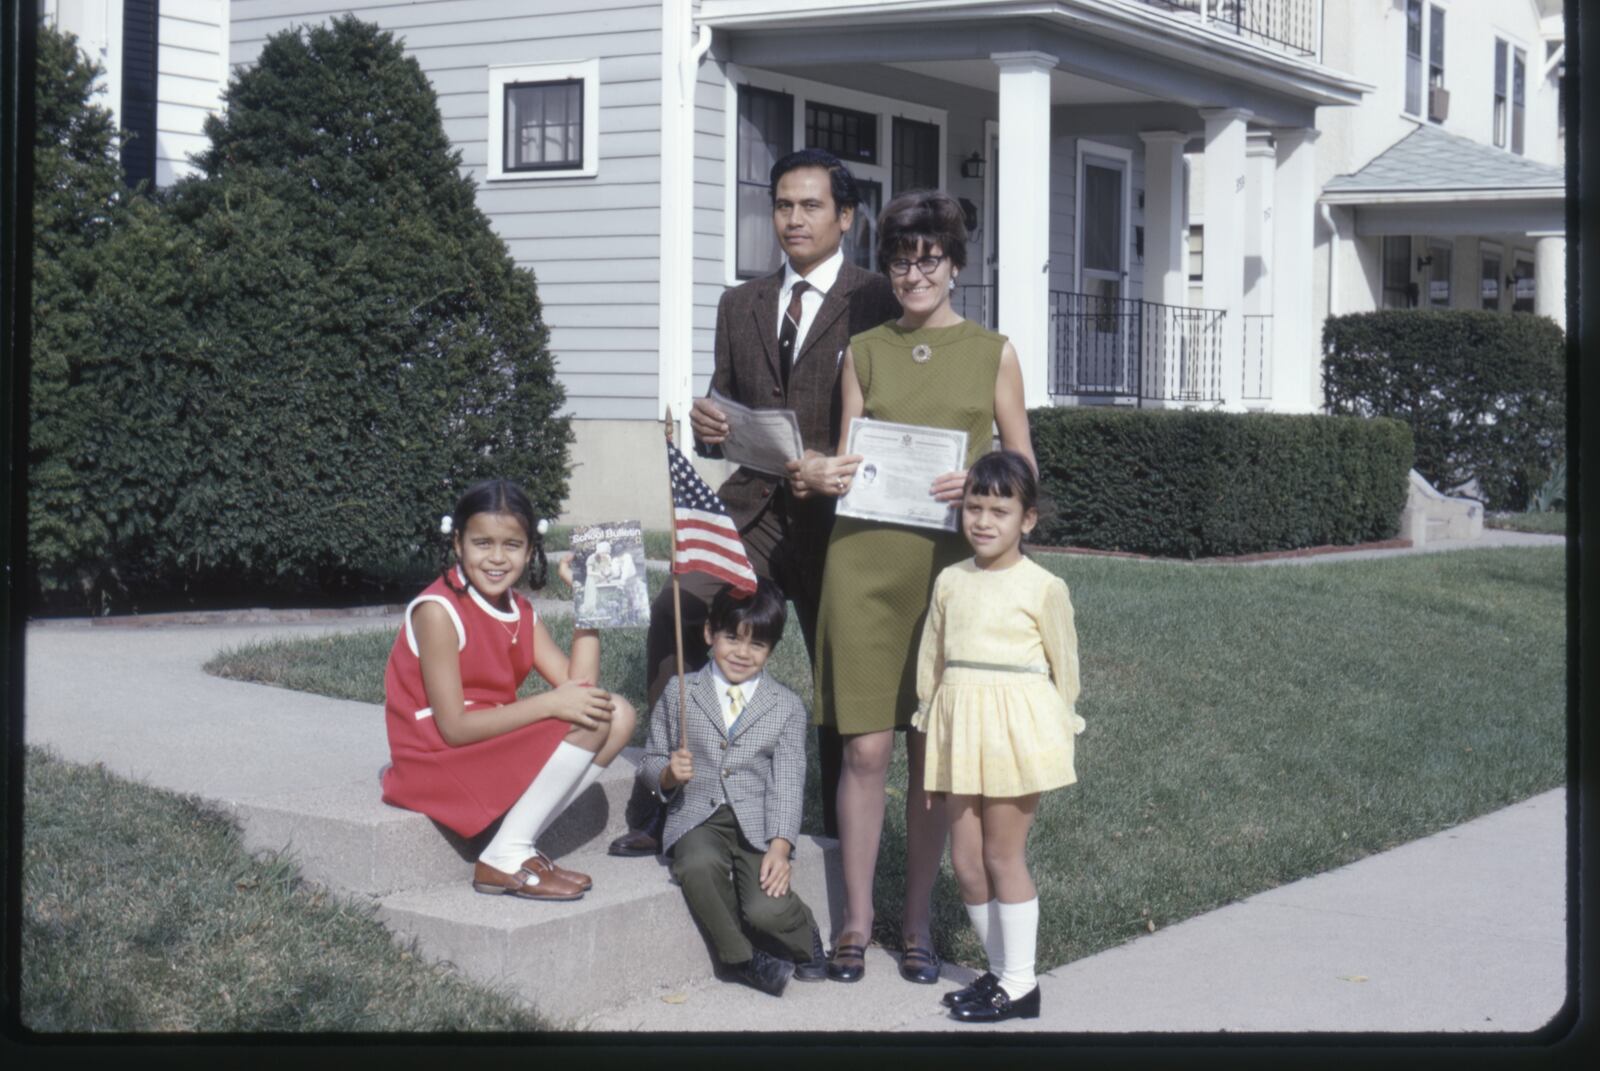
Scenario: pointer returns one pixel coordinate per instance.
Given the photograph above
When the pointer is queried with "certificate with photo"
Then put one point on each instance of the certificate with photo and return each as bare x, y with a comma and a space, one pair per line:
760, 439
899, 462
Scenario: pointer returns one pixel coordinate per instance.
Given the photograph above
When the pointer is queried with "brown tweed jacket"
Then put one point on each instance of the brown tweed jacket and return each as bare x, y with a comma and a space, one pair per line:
747, 371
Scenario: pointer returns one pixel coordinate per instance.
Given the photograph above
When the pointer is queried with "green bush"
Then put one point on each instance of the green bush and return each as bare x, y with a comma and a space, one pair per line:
1484, 393
1197, 484
311, 348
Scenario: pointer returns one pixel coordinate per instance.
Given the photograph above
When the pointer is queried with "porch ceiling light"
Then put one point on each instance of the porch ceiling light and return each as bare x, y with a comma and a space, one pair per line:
972, 166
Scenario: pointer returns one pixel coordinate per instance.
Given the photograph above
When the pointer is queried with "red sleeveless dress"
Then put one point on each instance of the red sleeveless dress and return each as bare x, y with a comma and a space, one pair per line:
468, 787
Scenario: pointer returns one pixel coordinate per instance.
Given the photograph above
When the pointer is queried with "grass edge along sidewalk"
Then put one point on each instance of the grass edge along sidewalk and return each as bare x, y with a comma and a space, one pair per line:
1246, 727
141, 911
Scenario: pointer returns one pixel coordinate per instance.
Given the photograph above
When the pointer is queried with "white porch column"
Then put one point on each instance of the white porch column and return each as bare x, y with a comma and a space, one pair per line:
1226, 194
1550, 277
1296, 337
1024, 193
1166, 273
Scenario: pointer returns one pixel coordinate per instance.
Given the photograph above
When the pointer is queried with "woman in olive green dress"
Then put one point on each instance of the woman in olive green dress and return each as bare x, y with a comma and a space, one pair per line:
931, 368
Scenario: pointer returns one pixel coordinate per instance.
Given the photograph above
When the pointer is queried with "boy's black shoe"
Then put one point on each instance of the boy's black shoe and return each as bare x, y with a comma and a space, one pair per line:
816, 968
765, 972
981, 987
997, 1006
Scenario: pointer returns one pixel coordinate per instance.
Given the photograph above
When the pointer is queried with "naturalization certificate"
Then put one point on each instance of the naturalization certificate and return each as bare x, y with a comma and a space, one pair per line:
759, 439
898, 464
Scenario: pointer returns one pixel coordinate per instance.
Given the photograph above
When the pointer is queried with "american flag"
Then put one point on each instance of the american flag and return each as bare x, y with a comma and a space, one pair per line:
704, 537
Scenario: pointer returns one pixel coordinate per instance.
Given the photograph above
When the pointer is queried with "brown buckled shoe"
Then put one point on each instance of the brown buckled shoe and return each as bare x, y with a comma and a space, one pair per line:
582, 881
535, 881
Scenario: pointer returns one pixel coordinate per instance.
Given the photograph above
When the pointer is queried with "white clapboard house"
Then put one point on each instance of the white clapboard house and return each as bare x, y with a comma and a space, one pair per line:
1166, 197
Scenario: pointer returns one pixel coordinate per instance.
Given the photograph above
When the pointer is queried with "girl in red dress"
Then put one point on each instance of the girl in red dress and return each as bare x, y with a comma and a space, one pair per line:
465, 750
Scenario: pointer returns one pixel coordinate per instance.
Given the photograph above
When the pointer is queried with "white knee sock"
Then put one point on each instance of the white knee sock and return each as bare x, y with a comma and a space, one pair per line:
514, 841
590, 776
984, 923
1019, 934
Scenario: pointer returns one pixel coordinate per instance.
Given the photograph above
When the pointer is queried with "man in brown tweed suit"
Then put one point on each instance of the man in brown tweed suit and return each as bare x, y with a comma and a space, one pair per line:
814, 200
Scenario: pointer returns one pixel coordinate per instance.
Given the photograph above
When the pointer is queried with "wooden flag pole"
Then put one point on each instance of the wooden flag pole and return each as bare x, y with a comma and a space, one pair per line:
677, 606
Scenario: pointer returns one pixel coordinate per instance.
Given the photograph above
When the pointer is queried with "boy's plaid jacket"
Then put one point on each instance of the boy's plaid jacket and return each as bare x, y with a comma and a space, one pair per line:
759, 769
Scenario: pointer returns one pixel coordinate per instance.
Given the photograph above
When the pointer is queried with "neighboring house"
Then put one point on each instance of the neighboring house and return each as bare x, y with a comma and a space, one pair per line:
166, 65
621, 149
1446, 188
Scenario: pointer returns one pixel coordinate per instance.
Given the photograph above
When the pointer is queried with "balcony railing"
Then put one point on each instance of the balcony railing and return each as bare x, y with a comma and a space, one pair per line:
1295, 25
976, 302
1135, 350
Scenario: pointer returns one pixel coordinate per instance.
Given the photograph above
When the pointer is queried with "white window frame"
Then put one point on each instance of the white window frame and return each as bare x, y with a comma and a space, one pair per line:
802, 90
1428, 6
586, 71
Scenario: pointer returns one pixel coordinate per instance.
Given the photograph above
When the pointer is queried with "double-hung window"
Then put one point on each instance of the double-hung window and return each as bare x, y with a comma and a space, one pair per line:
1435, 52
766, 134
544, 121
1398, 291
916, 155
1414, 57
1501, 73
1519, 83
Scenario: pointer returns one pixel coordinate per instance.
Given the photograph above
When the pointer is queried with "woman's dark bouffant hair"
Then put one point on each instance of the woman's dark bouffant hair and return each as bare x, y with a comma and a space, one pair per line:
931, 217
497, 496
1004, 474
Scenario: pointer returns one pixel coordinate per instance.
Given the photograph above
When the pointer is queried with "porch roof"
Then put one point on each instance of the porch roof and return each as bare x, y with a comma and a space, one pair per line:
1135, 47
1430, 164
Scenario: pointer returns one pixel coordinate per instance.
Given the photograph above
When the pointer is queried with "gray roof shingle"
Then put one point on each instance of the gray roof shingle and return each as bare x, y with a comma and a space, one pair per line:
1431, 159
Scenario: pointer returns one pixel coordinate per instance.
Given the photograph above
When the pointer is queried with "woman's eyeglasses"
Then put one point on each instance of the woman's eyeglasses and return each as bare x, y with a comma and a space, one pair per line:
926, 265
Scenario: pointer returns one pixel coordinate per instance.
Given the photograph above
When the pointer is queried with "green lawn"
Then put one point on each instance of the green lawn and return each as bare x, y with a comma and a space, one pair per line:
1247, 726
1552, 523
141, 912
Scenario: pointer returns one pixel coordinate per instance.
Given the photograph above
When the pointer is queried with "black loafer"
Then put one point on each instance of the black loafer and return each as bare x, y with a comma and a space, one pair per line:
816, 968
635, 842
765, 972
981, 987
997, 1007
848, 962
920, 965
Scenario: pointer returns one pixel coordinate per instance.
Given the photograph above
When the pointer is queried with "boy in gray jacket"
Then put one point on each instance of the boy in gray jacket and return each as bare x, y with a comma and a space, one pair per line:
733, 795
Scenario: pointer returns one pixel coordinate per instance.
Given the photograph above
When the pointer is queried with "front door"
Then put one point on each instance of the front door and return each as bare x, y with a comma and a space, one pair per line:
1101, 346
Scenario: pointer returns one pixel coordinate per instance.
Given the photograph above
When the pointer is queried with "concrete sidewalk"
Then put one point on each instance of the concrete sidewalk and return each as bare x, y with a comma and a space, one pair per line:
1464, 931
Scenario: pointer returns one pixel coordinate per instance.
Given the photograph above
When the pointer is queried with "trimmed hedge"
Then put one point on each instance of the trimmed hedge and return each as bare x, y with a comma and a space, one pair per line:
1485, 393
1199, 484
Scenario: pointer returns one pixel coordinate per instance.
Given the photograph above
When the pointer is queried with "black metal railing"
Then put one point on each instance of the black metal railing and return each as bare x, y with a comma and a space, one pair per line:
1133, 349
1293, 24
976, 302
1257, 340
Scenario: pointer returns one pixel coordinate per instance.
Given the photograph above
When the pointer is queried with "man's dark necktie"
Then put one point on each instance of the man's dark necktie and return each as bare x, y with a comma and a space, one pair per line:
789, 332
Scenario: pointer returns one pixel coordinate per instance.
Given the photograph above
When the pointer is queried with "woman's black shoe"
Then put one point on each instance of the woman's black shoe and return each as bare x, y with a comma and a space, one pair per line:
981, 987
848, 962
997, 1007
919, 964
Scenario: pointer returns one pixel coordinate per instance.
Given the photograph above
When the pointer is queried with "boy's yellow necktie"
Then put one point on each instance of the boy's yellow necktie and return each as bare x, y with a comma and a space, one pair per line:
735, 704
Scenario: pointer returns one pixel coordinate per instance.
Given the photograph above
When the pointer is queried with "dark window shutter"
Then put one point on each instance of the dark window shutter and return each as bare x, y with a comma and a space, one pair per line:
139, 40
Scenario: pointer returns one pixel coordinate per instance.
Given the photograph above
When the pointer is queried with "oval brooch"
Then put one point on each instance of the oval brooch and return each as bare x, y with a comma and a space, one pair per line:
921, 352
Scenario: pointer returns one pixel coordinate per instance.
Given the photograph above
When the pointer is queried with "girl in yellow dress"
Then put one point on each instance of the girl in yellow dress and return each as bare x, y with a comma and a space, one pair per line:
997, 679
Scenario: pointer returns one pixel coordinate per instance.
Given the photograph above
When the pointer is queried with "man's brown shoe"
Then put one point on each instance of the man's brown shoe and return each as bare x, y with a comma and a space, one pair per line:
635, 842
535, 881
582, 881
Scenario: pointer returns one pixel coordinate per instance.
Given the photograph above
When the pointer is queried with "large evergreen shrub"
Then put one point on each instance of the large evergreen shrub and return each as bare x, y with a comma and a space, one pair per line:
1197, 484
1484, 392
321, 344
78, 198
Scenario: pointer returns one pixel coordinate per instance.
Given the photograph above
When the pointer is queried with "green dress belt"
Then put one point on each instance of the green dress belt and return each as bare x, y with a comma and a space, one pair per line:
1001, 667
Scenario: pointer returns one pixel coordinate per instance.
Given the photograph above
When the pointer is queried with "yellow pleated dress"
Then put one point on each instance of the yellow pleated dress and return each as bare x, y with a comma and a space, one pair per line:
997, 682
878, 577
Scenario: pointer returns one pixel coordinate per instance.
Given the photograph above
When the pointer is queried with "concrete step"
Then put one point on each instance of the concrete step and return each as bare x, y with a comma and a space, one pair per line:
347, 838
629, 936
